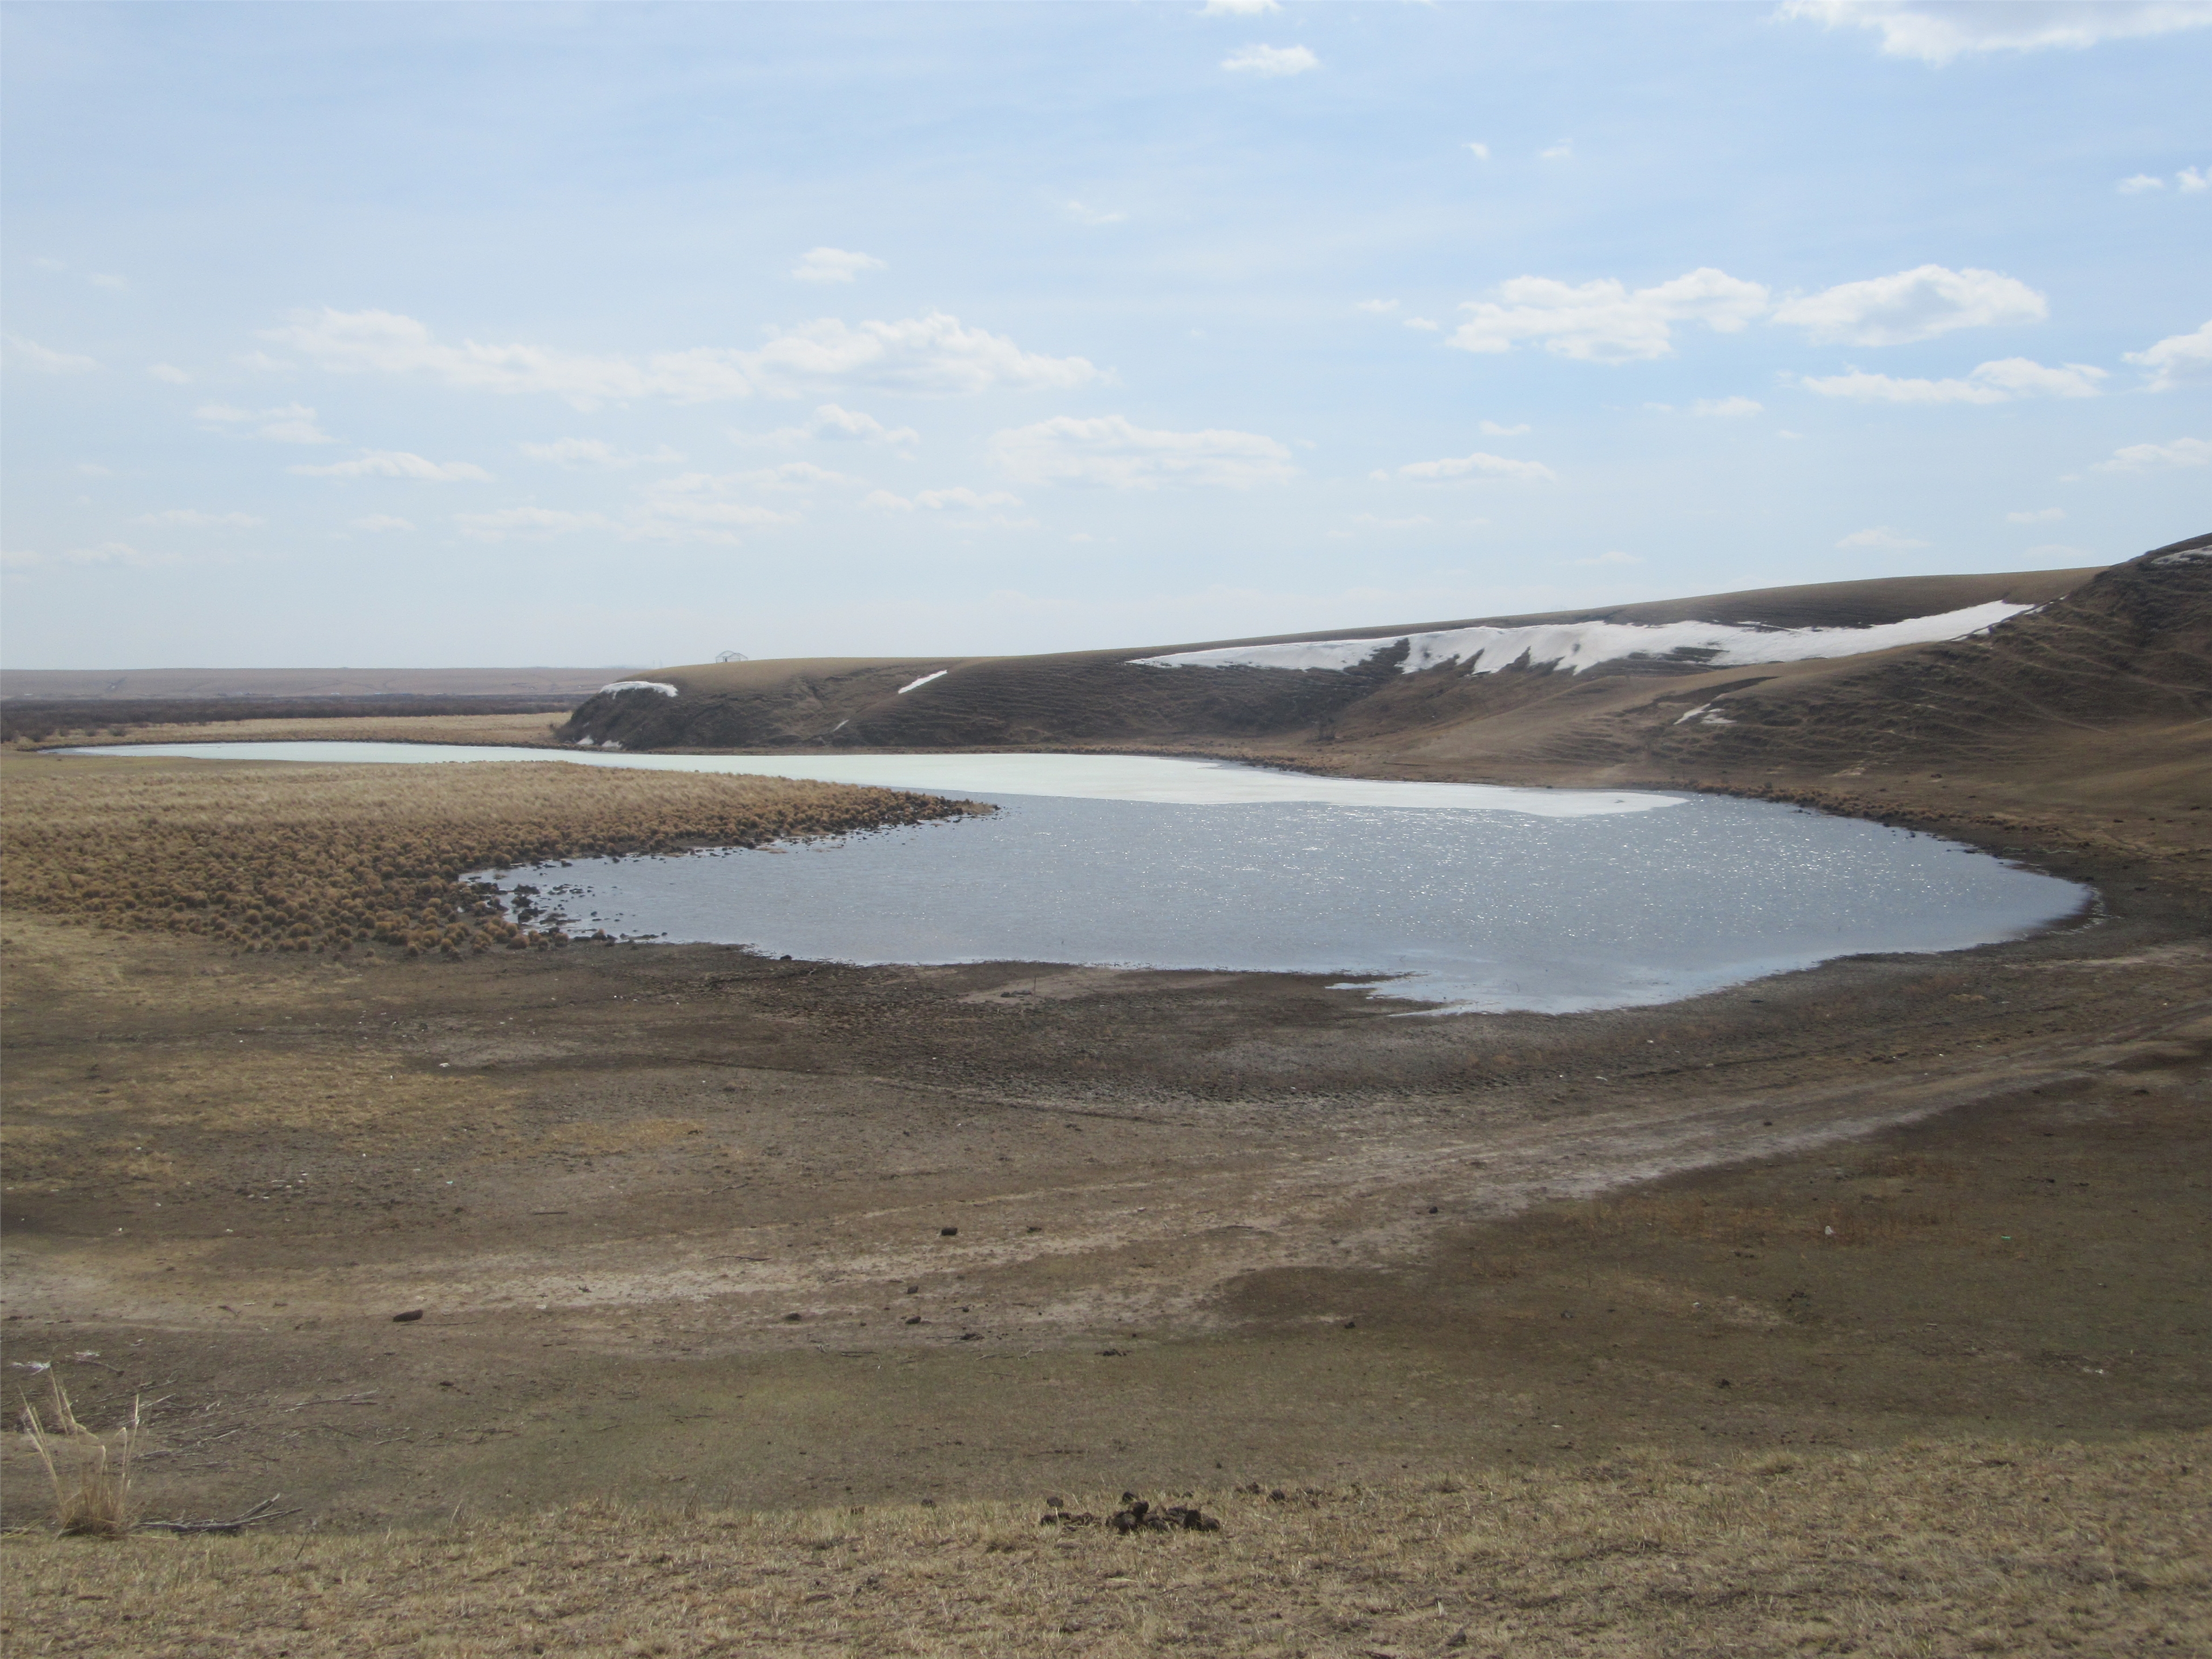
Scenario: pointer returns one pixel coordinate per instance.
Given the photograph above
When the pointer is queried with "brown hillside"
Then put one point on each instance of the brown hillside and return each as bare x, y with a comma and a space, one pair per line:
1099, 697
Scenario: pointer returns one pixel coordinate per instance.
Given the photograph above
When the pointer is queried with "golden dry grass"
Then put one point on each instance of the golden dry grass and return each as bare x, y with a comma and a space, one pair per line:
301, 858
508, 729
1936, 1549
90, 1479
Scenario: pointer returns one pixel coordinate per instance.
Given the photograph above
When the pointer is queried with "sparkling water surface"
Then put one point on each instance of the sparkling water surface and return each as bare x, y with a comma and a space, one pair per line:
1551, 901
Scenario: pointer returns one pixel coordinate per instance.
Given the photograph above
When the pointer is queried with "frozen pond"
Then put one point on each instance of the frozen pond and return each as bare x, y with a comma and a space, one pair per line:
1457, 895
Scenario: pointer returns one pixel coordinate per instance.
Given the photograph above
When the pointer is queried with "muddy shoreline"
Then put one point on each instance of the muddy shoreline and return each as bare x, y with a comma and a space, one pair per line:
677, 1215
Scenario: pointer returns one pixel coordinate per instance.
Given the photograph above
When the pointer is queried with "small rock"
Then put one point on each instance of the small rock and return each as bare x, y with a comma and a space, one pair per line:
948, 1232
407, 1318
793, 1319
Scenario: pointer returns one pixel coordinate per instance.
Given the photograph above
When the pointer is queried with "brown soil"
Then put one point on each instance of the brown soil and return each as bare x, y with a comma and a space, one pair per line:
677, 1219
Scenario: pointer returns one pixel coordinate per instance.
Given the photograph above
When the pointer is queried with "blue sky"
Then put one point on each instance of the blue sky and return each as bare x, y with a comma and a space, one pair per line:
409, 335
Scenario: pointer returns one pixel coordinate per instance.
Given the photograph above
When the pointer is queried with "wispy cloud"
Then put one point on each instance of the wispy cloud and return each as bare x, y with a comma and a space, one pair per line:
1460, 469
1936, 32
381, 521
576, 453
1615, 557
2157, 458
1605, 321
1239, 8
288, 424
1268, 62
1091, 215
193, 518
169, 373
2178, 361
1883, 538
935, 355
833, 264
2002, 381
1110, 451
1913, 305
397, 463
46, 361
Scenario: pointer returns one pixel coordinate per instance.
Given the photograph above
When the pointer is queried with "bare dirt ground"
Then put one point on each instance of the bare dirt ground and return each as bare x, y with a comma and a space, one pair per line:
686, 1226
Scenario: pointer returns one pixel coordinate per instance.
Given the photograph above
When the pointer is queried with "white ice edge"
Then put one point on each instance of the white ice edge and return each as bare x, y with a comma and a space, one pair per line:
661, 686
916, 685
1577, 646
1080, 777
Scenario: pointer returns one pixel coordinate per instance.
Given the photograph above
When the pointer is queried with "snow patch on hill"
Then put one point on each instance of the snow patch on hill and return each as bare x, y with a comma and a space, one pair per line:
1577, 646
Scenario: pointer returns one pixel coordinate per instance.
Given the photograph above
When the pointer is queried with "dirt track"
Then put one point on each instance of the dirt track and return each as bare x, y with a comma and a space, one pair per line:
1208, 1225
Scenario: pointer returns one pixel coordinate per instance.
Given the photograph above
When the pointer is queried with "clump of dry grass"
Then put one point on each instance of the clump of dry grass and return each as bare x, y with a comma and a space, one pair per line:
301, 858
1947, 1548
91, 1480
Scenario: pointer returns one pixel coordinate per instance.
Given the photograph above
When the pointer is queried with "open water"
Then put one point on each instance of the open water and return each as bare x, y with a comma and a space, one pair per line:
1459, 896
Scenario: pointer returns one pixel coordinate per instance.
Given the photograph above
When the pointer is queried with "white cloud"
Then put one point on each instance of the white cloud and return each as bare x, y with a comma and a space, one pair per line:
170, 373
120, 554
2191, 180
1375, 521
530, 521
2151, 458
1239, 8
381, 521
288, 424
833, 264
1562, 151
32, 354
44, 263
194, 519
1091, 216
262, 362
934, 355
2040, 515
1477, 465
1491, 429
1378, 308
1480, 152
797, 475
883, 498
1913, 305
1727, 408
970, 500
596, 452
701, 506
1270, 61
1426, 325
397, 464
1882, 537
1616, 557
112, 283
1603, 321
294, 424
1109, 450
1998, 382
850, 424
2178, 360
2141, 184
1937, 32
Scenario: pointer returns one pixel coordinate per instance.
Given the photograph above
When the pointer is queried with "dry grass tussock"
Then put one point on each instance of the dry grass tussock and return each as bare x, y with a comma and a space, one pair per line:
301, 858
90, 1477
1933, 1549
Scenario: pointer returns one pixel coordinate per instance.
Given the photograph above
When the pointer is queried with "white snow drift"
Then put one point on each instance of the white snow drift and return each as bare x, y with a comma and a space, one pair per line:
1577, 646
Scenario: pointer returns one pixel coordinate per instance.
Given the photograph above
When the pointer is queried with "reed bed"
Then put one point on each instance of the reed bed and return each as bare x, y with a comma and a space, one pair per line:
1932, 1549
321, 859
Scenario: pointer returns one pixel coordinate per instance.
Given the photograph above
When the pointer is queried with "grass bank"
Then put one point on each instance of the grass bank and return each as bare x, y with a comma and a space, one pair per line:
309, 858
1937, 1548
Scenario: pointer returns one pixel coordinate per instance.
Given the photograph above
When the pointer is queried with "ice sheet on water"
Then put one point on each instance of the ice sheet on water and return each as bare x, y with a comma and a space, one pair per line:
1079, 777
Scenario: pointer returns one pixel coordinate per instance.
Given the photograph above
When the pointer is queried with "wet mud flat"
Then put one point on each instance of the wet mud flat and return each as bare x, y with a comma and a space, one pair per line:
686, 1224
